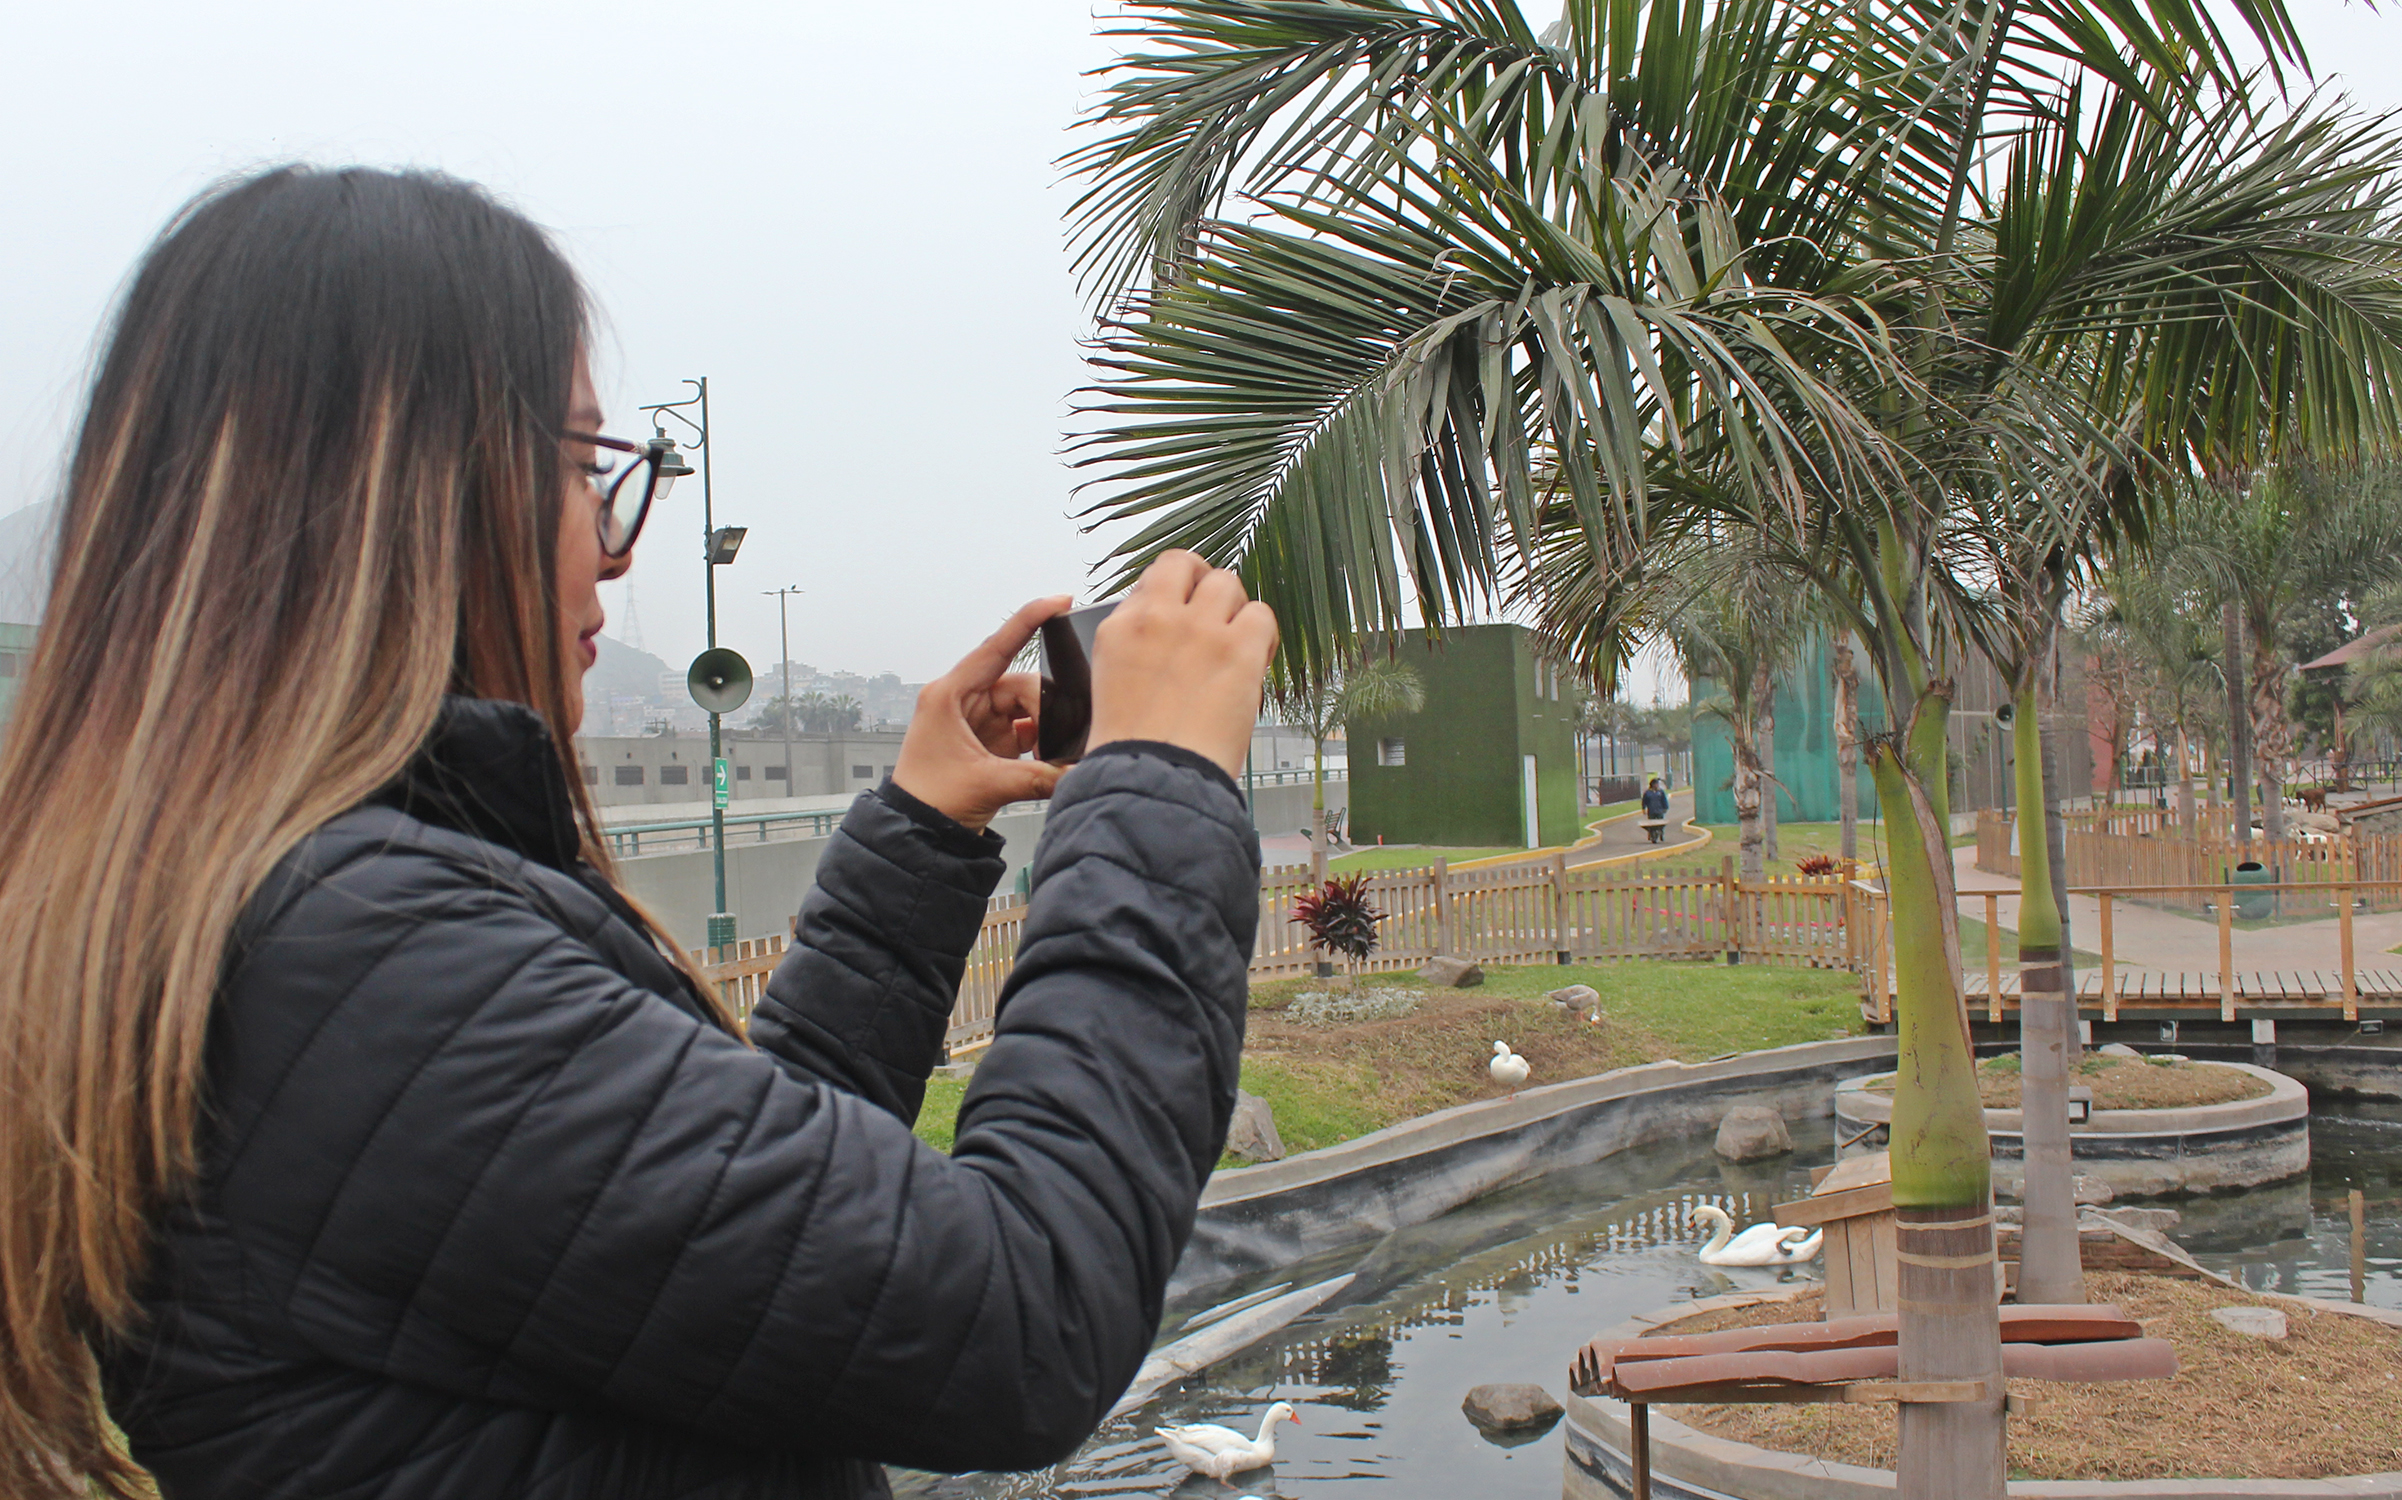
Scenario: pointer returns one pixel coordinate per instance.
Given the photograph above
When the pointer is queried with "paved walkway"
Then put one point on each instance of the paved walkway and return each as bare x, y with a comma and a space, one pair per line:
1622, 836
2144, 938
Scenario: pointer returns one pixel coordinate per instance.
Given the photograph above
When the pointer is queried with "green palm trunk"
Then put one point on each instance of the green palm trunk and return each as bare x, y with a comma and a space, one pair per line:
1941, 1156
2050, 1267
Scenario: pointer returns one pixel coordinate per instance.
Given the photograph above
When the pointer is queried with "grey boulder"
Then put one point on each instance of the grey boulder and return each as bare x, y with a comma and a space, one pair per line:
1251, 1134
1751, 1132
1511, 1407
2090, 1190
1458, 973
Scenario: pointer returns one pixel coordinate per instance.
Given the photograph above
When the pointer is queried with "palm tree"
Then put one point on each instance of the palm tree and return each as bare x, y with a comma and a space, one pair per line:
2143, 618
1822, 272
1371, 687
2266, 550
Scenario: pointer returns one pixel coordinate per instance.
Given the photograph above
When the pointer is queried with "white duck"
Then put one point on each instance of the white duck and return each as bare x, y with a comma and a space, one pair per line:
1760, 1245
1507, 1067
1214, 1451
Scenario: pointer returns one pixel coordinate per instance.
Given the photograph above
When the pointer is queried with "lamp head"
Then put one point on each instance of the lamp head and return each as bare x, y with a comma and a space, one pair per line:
724, 542
671, 465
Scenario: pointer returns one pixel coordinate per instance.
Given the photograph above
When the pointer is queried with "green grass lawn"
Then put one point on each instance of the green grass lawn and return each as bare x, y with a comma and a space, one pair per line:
1363, 1079
1607, 811
1374, 858
1794, 841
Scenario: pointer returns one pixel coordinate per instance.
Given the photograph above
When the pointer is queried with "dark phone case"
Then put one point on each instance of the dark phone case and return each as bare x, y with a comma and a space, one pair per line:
1067, 670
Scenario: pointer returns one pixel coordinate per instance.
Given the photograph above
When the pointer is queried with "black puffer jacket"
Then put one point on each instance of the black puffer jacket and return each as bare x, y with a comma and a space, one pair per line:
487, 1207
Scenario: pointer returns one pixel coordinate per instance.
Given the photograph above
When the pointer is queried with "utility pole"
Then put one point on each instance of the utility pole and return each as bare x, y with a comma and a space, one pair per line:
784, 633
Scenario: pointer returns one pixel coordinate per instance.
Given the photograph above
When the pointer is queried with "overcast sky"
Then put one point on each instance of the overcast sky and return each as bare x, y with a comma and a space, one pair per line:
845, 215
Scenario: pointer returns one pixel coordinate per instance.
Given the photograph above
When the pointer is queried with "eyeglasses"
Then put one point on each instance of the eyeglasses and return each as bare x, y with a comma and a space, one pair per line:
628, 486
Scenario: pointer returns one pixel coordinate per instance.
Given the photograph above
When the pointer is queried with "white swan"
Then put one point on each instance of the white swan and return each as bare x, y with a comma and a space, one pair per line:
1760, 1245
1208, 1449
1507, 1067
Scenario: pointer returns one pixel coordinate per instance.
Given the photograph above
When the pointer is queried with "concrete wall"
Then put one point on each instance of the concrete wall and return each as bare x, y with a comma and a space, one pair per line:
1489, 703
765, 882
822, 764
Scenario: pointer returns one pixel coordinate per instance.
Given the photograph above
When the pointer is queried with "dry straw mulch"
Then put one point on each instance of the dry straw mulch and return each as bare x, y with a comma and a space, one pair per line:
2122, 1083
2326, 1400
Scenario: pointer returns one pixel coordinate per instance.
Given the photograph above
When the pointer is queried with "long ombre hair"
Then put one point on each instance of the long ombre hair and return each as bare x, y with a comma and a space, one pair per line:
318, 486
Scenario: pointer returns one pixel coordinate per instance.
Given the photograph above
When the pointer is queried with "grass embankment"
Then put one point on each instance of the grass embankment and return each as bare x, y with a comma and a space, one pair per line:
1329, 1084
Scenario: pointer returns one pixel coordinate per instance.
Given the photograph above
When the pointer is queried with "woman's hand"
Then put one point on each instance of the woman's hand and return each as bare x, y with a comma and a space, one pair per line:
961, 756
1180, 661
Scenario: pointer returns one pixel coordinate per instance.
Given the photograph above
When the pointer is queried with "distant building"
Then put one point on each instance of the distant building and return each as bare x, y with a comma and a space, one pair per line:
1490, 760
16, 651
625, 770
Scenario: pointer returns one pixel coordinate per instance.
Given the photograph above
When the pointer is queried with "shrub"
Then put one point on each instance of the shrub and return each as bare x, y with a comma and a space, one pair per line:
1341, 919
1816, 864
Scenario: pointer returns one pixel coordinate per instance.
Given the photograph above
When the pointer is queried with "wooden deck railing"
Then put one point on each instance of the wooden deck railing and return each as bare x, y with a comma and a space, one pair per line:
2116, 982
2146, 847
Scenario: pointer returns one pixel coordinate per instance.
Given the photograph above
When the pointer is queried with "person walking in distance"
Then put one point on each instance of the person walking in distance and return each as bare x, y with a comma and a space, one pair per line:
1655, 812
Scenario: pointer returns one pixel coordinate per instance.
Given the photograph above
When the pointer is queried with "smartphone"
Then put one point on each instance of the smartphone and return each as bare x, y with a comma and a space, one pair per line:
1067, 671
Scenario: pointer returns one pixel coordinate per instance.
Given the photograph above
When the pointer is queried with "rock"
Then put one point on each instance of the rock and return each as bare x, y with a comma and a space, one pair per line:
2083, 1190
1511, 1407
2259, 1322
1580, 998
1252, 1133
1455, 972
1751, 1132
2117, 1049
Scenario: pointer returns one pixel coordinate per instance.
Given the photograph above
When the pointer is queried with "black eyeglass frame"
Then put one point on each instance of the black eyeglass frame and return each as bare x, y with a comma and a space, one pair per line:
647, 456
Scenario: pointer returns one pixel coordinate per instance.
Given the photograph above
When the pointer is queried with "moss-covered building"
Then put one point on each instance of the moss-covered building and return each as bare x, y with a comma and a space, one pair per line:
1490, 760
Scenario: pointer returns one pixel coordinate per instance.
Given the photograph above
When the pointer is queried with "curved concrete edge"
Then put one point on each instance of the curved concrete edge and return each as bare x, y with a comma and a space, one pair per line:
2286, 1100
1258, 1218
2147, 1153
1688, 1464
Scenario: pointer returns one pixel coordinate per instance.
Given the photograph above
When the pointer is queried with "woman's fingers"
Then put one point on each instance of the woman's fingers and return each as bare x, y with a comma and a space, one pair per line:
989, 660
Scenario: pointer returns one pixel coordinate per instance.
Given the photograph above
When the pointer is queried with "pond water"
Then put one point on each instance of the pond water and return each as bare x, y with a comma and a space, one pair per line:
1507, 1288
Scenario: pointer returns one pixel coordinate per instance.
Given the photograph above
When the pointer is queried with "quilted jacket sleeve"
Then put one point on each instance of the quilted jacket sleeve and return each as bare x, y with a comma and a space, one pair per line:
865, 997
501, 1169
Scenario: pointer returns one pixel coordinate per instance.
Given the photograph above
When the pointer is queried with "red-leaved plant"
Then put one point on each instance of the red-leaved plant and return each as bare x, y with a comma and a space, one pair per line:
1341, 919
1815, 864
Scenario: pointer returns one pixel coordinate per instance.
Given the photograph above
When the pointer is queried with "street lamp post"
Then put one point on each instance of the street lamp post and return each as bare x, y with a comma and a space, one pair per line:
784, 638
718, 546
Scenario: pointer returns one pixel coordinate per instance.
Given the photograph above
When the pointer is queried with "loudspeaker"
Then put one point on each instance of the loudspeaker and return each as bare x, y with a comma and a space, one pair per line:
720, 680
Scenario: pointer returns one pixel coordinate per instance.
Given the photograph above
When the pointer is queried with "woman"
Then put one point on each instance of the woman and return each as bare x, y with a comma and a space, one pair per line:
359, 1137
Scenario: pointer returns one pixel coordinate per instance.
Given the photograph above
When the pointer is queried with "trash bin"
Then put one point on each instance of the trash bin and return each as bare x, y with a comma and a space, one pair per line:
2254, 906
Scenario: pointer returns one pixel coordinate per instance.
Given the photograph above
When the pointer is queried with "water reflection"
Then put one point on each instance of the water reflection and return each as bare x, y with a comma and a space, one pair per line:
2299, 1237
1506, 1288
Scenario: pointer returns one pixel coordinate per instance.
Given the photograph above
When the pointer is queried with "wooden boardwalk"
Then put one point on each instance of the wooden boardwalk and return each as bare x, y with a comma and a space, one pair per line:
2258, 992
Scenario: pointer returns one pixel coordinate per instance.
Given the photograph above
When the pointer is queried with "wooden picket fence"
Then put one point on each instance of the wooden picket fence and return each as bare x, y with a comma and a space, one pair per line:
1520, 913
2145, 847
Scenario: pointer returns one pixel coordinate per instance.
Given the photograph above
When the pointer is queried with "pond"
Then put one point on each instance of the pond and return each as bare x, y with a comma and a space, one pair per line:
1507, 1288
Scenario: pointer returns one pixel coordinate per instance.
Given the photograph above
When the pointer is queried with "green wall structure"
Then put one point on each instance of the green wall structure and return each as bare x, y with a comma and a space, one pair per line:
1805, 744
1490, 703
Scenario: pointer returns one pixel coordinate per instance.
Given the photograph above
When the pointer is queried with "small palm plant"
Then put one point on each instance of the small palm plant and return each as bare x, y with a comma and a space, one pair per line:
1341, 919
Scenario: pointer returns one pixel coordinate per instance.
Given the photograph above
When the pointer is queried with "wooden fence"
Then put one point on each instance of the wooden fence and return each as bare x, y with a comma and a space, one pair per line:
1990, 986
2143, 847
1525, 913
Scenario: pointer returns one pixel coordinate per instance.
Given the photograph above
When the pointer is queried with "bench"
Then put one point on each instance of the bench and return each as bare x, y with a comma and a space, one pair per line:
1854, 1359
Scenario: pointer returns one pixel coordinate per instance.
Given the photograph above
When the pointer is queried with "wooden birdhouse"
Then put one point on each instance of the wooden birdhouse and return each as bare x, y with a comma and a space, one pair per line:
1853, 1202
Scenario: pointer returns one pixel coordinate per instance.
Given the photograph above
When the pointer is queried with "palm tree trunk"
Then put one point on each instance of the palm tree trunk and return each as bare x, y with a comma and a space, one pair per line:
2271, 735
1847, 744
2239, 723
1317, 819
1747, 788
1768, 783
1942, 1180
2184, 782
2049, 1268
